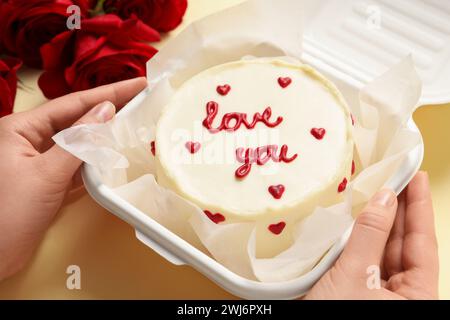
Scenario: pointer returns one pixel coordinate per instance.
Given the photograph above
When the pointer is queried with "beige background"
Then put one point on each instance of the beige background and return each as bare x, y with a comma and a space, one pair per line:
114, 264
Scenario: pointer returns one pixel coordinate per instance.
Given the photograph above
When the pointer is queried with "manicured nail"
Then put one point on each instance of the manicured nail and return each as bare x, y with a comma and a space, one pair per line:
104, 111
424, 174
138, 79
384, 198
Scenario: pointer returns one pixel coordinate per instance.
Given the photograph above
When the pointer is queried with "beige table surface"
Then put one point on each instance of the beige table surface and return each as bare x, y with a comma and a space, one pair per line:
115, 265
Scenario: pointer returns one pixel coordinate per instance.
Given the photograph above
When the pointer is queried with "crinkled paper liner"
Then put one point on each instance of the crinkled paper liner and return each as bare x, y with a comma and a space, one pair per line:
120, 149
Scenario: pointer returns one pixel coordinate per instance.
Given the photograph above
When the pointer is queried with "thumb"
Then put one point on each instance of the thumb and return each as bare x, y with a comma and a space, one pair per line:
64, 164
370, 233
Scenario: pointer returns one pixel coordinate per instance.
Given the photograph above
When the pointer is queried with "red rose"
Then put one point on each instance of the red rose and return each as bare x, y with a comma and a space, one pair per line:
162, 15
105, 50
26, 25
8, 84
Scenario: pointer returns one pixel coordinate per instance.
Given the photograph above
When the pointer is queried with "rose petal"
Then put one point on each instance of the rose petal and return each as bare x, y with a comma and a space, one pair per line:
53, 84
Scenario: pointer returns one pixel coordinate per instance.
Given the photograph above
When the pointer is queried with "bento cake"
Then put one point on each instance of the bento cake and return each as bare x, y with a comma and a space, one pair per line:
262, 141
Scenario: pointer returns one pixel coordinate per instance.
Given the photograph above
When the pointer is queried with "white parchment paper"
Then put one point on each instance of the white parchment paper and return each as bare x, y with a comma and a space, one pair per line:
120, 149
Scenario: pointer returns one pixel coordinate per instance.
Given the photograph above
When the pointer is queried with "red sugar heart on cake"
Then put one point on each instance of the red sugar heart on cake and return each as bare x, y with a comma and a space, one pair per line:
318, 133
284, 82
342, 186
276, 191
223, 90
277, 228
152, 147
215, 217
192, 147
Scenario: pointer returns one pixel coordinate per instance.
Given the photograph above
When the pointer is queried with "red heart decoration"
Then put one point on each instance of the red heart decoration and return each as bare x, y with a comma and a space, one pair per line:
215, 217
284, 81
318, 133
277, 228
277, 191
223, 90
152, 147
192, 147
343, 185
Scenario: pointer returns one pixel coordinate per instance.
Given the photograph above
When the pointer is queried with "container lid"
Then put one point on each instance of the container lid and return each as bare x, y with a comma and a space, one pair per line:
363, 39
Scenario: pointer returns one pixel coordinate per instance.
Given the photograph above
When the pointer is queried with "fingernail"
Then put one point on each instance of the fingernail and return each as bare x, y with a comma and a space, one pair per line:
424, 174
384, 198
104, 111
138, 79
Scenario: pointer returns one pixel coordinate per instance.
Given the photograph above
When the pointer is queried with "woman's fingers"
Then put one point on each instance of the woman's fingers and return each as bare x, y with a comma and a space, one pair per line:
369, 236
77, 180
102, 113
394, 248
420, 244
419, 207
63, 112
62, 163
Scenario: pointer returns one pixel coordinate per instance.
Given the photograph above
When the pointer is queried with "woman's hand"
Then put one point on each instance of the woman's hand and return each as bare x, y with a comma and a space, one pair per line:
398, 237
35, 174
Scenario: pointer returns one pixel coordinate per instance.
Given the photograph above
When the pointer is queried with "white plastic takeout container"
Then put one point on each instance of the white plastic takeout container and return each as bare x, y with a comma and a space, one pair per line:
335, 45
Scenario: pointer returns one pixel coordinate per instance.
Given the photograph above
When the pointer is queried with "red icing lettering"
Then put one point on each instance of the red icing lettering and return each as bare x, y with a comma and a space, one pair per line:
233, 121
243, 171
260, 156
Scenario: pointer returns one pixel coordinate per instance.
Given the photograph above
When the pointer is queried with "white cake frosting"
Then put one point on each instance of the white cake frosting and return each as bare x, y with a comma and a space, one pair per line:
205, 156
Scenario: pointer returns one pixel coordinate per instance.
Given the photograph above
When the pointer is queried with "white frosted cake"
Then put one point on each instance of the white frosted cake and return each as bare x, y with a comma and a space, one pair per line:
262, 141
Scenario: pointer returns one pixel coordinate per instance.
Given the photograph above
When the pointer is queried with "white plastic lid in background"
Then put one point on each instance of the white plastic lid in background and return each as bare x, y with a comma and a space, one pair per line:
363, 39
